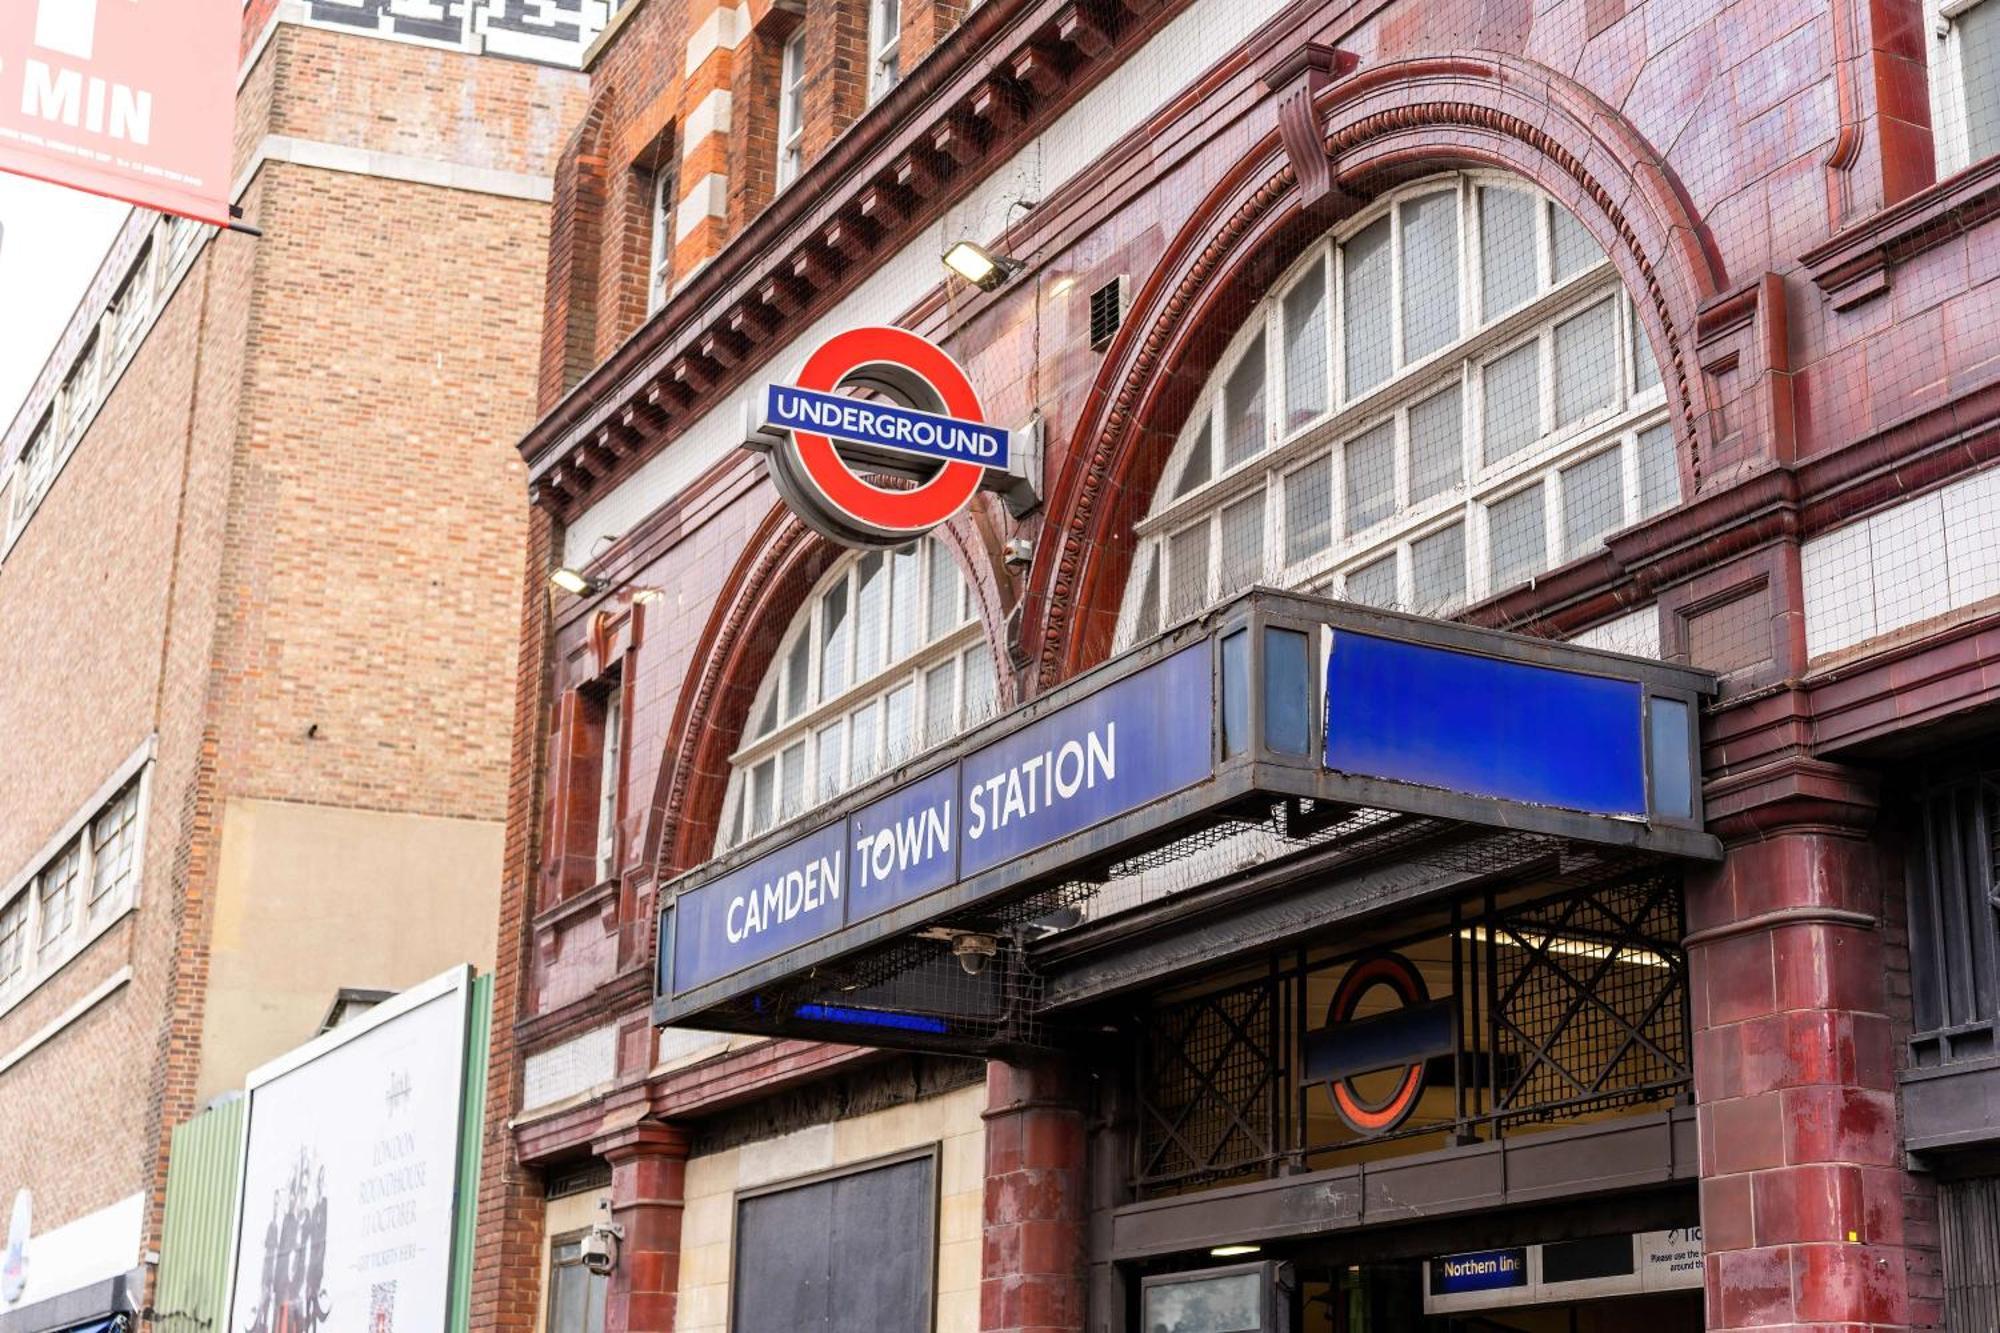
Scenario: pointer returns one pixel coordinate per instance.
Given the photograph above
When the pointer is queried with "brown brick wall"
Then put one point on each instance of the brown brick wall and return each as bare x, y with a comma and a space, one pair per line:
300, 510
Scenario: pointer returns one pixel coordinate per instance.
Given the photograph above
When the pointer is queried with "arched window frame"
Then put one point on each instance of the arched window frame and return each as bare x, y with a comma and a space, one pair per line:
1365, 562
916, 689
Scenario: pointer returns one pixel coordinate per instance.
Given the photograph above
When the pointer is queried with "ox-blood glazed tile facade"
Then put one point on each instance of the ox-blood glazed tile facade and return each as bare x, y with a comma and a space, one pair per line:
1649, 325
257, 525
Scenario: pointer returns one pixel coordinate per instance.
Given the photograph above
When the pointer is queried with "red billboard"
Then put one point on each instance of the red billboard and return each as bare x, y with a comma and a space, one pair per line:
133, 99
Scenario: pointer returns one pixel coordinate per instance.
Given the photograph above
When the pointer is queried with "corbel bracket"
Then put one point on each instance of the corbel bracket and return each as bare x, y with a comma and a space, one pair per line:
1296, 75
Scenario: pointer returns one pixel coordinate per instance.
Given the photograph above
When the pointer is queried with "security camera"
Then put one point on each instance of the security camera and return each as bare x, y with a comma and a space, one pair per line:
974, 952
600, 1243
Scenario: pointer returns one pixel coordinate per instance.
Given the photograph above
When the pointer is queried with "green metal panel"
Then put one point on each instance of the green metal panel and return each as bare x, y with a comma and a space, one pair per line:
196, 1245
471, 1135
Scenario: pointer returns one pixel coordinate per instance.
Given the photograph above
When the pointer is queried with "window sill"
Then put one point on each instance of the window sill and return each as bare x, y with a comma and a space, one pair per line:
13, 998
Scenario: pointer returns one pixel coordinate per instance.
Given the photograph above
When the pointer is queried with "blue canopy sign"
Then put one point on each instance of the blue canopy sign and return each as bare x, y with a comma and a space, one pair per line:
1486, 726
1138, 739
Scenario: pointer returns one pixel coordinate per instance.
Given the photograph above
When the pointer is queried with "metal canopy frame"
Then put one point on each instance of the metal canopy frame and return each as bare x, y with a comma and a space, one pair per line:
1250, 780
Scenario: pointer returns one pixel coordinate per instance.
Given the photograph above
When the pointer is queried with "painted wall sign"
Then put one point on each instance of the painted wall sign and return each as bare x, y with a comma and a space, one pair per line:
1485, 726
1479, 1270
135, 99
1132, 742
930, 434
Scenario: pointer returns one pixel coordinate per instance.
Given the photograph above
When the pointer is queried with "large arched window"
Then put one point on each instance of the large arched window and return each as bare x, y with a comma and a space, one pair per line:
886, 659
1444, 398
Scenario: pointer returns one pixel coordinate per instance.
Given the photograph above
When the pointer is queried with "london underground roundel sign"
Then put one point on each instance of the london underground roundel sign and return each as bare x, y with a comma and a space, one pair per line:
922, 432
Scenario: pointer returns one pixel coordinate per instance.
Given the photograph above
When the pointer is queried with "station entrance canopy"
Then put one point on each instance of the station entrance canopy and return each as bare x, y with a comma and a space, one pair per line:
1277, 729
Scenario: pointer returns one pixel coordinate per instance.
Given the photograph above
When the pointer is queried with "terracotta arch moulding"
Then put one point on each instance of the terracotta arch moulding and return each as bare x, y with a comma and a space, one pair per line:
1383, 124
764, 592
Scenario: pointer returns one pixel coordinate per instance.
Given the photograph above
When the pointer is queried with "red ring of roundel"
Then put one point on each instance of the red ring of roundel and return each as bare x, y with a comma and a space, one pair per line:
912, 511
1399, 975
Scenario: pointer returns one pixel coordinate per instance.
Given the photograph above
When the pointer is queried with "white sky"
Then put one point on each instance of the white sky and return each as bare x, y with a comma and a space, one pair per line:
51, 242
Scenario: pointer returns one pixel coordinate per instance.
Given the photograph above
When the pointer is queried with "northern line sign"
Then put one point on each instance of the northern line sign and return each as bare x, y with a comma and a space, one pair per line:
1143, 737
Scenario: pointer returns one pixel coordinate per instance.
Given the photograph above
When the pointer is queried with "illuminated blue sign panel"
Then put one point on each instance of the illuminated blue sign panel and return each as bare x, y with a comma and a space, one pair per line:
885, 426
1486, 726
1481, 1270
1139, 739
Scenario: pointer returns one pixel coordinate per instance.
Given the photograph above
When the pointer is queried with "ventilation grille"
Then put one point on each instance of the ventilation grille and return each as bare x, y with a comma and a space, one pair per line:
1107, 311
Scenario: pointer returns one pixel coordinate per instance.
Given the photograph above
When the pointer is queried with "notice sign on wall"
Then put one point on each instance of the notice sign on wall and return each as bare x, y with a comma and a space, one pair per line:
350, 1170
134, 99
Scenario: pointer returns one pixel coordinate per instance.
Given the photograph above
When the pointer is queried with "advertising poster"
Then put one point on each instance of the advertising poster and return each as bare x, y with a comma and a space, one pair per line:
135, 99
350, 1168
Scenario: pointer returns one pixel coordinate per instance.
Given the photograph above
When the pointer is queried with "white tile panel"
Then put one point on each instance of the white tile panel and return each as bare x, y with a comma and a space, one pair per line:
570, 1069
1907, 562
1840, 589
1636, 633
1972, 537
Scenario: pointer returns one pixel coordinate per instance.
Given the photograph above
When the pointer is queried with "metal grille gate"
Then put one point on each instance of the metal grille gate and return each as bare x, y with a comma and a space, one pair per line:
1567, 1005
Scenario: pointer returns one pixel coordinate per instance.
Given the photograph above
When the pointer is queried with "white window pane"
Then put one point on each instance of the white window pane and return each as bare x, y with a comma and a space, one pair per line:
1241, 562
1243, 406
981, 690
1978, 31
1575, 250
1187, 571
1305, 348
798, 675
767, 716
1435, 457
1365, 323
1593, 493
1586, 363
1309, 510
1437, 571
611, 742
763, 782
832, 762
1370, 472
906, 608
871, 619
1373, 584
1659, 470
1512, 388
792, 780
1507, 270
944, 599
1517, 541
861, 764
1195, 468
13, 939
114, 838
899, 723
1645, 370
1430, 273
1146, 623
833, 641
940, 703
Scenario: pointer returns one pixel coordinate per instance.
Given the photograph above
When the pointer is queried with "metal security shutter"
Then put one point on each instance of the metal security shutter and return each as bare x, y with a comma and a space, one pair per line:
850, 1254
1969, 1214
